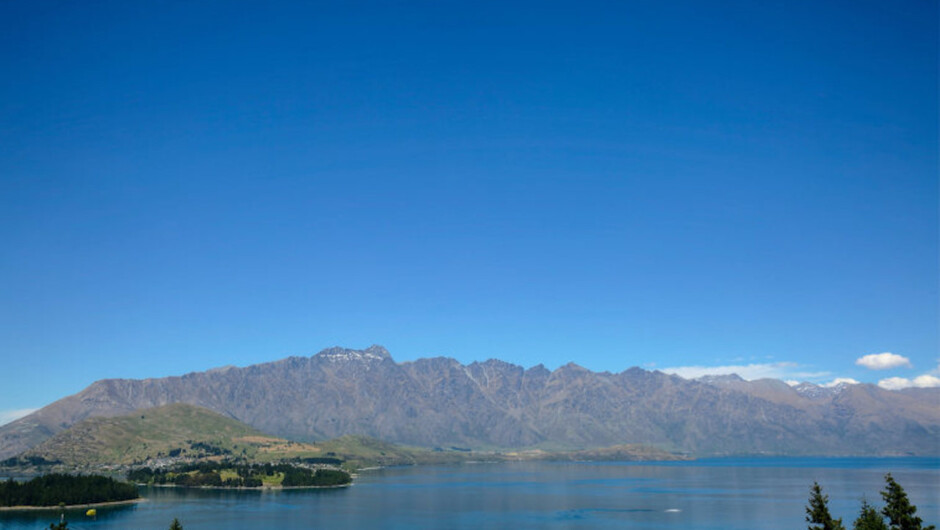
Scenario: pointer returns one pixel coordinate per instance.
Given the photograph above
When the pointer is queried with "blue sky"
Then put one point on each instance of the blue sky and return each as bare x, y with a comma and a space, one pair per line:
662, 184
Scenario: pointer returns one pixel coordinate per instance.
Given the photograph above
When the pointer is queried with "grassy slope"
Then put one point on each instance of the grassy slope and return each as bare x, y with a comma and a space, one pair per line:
153, 433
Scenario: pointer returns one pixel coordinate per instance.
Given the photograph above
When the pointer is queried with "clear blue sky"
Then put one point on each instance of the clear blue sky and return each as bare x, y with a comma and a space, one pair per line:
185, 185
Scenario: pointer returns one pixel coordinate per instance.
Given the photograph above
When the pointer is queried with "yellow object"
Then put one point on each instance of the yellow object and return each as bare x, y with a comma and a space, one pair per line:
91, 513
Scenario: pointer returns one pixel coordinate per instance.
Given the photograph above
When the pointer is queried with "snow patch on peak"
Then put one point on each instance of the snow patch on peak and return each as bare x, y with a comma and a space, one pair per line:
371, 354
825, 390
378, 351
814, 391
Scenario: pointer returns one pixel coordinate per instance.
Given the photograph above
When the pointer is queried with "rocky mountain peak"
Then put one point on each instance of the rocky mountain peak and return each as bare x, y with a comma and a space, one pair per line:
221, 369
378, 351
374, 353
500, 364
813, 391
572, 367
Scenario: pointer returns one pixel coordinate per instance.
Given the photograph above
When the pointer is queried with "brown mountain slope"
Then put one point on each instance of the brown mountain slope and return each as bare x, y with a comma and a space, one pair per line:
440, 402
153, 433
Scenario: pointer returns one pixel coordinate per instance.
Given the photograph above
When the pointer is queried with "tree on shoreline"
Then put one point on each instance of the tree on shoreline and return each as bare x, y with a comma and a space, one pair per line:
898, 509
818, 511
869, 519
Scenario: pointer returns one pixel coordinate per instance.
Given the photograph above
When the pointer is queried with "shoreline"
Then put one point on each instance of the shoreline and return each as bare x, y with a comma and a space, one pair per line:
243, 488
69, 506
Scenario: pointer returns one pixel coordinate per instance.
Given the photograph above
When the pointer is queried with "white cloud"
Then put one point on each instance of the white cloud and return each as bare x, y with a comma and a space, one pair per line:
921, 381
929, 380
779, 370
894, 383
926, 381
840, 380
6, 416
882, 361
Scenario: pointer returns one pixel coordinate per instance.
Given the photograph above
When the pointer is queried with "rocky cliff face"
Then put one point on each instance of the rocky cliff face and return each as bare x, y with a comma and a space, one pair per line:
440, 402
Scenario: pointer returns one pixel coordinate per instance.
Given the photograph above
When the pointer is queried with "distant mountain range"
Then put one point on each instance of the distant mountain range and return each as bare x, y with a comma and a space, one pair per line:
440, 402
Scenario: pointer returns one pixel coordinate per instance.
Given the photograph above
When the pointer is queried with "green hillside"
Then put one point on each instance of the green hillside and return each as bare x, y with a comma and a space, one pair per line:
177, 431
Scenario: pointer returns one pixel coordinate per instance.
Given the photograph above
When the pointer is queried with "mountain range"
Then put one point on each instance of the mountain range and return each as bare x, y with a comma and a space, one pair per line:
439, 402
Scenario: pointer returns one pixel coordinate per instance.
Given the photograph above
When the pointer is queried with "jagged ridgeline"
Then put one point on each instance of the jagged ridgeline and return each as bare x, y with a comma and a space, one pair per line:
441, 403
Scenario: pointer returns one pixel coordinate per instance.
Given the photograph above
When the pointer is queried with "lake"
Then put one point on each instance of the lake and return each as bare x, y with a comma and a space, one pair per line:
719, 494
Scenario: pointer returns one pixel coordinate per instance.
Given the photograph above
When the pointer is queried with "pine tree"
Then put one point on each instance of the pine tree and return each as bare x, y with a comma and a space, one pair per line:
818, 511
899, 510
869, 519
175, 525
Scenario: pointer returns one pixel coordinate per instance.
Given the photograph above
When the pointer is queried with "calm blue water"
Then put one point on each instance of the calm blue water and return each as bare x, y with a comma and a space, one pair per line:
724, 494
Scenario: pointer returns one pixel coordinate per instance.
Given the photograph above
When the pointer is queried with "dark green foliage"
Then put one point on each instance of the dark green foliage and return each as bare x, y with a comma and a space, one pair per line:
209, 449
199, 478
63, 525
54, 489
817, 512
322, 477
143, 475
331, 477
249, 475
320, 460
869, 519
28, 461
898, 509
175, 525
